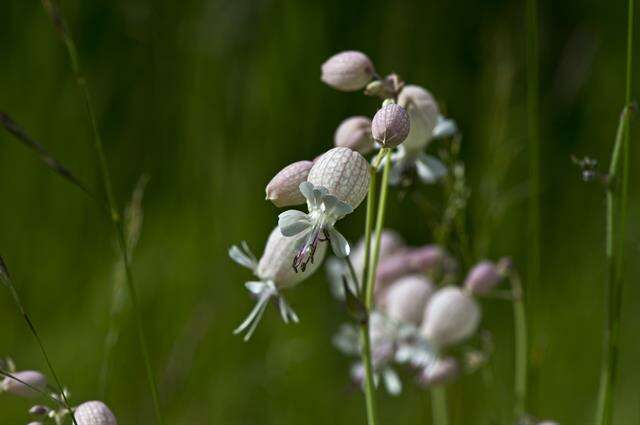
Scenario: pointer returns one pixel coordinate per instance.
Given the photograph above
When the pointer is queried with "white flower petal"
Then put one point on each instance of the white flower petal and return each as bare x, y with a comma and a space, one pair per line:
243, 257
429, 168
292, 222
339, 243
391, 381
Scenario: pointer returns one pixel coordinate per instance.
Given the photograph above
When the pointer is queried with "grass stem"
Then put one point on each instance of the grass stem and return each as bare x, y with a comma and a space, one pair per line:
520, 349
439, 406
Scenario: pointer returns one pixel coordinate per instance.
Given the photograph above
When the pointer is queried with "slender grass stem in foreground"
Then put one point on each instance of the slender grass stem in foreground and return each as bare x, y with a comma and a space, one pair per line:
520, 349
58, 20
6, 279
617, 204
439, 406
534, 262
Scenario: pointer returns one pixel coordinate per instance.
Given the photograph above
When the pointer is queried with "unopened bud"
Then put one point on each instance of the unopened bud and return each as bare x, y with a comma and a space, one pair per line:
94, 413
440, 372
390, 125
355, 133
404, 301
451, 316
344, 173
283, 189
347, 71
30, 377
482, 278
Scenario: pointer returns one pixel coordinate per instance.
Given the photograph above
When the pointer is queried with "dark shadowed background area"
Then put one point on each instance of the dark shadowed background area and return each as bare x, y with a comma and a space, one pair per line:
211, 98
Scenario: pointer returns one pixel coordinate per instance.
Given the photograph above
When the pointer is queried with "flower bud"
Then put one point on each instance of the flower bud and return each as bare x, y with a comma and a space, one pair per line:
482, 278
416, 260
390, 125
423, 113
283, 189
390, 243
344, 173
355, 133
94, 413
39, 410
440, 372
451, 316
347, 71
404, 301
275, 264
31, 377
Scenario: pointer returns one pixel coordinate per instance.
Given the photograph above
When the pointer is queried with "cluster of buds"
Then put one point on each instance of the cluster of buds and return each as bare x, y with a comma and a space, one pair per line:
408, 121
33, 384
419, 323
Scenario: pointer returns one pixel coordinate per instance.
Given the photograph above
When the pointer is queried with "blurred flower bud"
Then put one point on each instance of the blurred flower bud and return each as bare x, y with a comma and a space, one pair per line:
440, 372
404, 301
39, 410
390, 243
347, 71
343, 173
283, 189
390, 125
482, 278
355, 133
451, 316
423, 113
94, 413
417, 260
33, 378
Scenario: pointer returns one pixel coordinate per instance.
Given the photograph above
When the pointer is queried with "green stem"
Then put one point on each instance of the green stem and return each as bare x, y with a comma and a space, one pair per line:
382, 205
532, 62
368, 299
520, 349
56, 15
6, 279
439, 406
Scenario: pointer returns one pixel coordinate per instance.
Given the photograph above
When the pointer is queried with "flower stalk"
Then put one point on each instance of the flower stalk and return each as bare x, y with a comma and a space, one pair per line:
520, 348
439, 406
55, 13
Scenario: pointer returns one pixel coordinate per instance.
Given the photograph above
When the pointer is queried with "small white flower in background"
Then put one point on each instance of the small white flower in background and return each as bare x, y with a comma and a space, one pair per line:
35, 379
405, 299
390, 125
284, 188
426, 124
482, 278
355, 133
451, 316
439, 372
347, 71
337, 184
275, 273
94, 413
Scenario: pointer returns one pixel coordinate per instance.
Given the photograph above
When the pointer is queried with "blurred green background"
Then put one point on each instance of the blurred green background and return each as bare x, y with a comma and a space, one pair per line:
210, 99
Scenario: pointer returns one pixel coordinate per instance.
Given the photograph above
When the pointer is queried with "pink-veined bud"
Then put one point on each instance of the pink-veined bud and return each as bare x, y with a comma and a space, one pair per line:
416, 260
405, 299
344, 173
451, 316
94, 413
390, 125
347, 71
482, 278
283, 189
423, 113
442, 371
355, 133
390, 243
275, 263
34, 379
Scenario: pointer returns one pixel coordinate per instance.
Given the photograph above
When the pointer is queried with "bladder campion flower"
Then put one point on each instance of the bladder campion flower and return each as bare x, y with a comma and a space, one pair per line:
283, 189
337, 184
348, 71
390, 125
34, 379
355, 133
482, 278
451, 316
94, 413
275, 274
405, 299
426, 124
